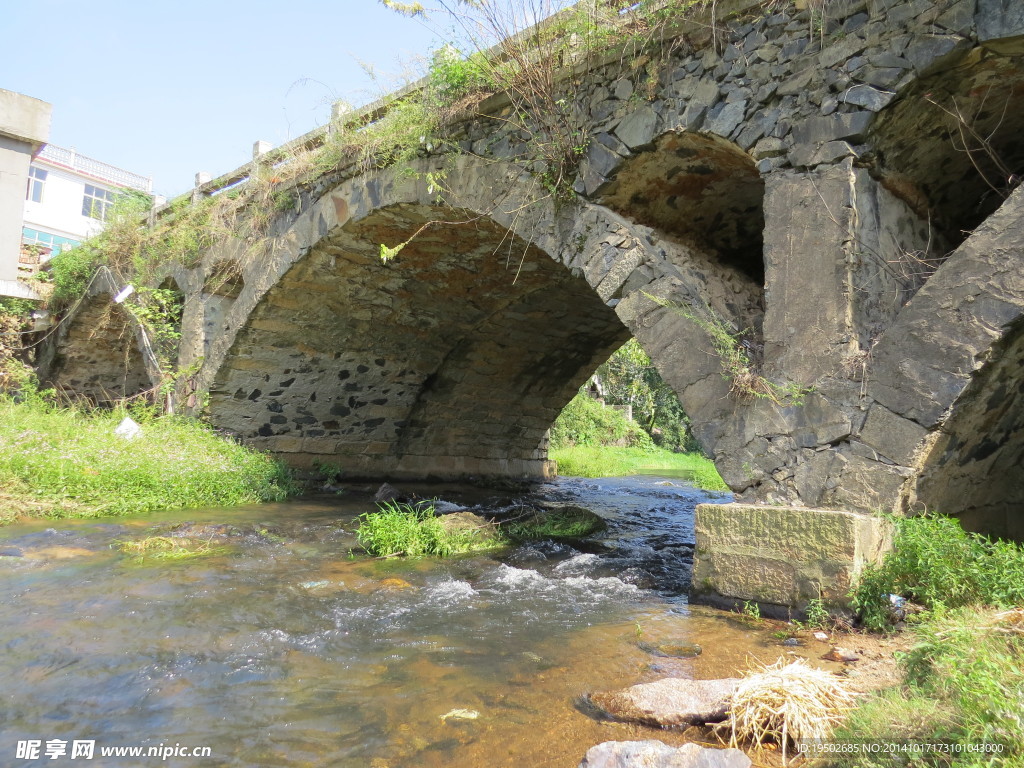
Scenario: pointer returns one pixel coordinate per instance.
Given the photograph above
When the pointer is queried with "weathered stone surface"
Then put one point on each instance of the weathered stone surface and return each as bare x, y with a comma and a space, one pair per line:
924, 361
655, 754
725, 120
670, 702
638, 128
847, 125
867, 97
930, 53
1001, 24
782, 555
894, 437
805, 268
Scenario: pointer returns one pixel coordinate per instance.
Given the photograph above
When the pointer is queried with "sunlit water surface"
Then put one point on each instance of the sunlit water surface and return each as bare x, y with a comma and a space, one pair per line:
290, 650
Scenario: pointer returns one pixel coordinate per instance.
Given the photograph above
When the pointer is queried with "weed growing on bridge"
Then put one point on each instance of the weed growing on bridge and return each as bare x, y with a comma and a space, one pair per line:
738, 366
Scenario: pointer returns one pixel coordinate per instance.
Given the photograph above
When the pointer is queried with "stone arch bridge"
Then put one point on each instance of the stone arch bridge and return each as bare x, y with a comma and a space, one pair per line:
840, 192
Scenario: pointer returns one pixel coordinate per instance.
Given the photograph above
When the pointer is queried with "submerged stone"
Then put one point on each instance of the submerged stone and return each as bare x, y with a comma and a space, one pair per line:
668, 650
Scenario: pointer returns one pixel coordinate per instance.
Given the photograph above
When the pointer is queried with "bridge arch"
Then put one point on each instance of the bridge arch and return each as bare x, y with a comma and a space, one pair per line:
97, 352
454, 358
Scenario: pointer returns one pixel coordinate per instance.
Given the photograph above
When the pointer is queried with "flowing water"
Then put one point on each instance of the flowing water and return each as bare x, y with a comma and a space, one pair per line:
291, 649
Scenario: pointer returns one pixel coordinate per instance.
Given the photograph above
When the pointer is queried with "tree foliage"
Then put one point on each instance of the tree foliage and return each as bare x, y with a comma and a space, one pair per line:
630, 378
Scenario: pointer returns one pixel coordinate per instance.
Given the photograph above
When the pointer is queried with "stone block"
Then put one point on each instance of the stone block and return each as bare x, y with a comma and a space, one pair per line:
638, 128
726, 118
892, 436
24, 118
807, 225
847, 125
655, 754
930, 53
1001, 25
783, 556
868, 97
868, 485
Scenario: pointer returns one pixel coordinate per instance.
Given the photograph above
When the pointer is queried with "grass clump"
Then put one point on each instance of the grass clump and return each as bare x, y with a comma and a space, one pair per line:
415, 530
66, 462
564, 523
935, 563
168, 548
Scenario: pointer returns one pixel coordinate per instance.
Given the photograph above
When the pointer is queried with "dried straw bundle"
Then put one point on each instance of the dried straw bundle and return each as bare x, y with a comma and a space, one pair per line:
787, 702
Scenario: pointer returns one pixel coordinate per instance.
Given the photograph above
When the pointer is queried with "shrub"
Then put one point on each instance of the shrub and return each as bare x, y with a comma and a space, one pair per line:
585, 421
935, 562
453, 77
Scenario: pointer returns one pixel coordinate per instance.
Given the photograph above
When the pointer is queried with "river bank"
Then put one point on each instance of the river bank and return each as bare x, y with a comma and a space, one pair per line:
58, 462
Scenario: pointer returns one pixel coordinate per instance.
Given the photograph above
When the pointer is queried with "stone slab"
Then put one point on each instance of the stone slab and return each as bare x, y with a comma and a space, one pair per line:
24, 118
783, 556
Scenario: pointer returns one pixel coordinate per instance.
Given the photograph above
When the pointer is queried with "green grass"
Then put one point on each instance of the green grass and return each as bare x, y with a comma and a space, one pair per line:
66, 462
585, 421
565, 523
611, 461
935, 563
964, 676
964, 685
415, 531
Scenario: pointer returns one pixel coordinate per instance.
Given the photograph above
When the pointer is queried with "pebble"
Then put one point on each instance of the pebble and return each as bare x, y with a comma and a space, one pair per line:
460, 714
841, 654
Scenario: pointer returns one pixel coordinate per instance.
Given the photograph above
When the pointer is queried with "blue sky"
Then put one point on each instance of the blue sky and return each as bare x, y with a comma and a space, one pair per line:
166, 89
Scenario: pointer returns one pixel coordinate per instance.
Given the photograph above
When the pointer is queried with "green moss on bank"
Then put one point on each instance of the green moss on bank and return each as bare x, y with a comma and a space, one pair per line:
67, 462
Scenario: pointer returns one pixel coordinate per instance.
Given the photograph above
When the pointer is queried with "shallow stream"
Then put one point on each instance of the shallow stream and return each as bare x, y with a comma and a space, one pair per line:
290, 649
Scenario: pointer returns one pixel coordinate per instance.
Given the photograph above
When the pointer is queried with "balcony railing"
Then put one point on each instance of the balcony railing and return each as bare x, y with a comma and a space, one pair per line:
69, 158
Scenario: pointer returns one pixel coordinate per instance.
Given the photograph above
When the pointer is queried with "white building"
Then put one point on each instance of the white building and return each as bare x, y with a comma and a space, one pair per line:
68, 196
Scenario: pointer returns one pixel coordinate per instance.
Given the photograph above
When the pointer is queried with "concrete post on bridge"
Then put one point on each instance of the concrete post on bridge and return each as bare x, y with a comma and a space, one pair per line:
201, 178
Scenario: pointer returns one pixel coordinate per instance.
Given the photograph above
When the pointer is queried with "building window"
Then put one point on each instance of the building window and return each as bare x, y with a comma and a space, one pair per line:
56, 243
97, 202
36, 178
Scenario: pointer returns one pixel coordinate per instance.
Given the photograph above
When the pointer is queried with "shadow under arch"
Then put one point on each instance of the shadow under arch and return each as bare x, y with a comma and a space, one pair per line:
451, 360
97, 352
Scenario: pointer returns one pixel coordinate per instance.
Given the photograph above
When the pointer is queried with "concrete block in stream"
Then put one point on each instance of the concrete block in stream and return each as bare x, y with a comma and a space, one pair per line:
783, 556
